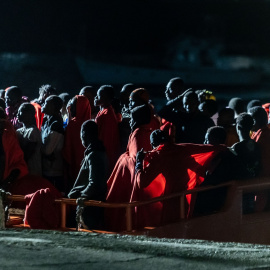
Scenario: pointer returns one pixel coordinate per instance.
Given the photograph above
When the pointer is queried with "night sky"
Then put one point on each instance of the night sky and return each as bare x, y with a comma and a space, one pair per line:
132, 27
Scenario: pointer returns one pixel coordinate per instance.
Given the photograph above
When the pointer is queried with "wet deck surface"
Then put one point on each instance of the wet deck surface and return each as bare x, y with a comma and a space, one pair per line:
32, 249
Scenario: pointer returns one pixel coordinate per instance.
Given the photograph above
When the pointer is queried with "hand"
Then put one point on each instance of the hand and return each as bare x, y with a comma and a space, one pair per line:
140, 156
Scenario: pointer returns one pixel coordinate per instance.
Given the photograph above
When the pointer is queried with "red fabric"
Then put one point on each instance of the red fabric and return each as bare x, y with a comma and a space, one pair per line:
109, 134
262, 137
121, 181
41, 211
154, 123
13, 154
169, 128
73, 150
39, 115
169, 169
266, 107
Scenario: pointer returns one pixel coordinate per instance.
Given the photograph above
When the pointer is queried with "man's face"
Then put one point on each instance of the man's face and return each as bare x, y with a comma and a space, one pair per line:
169, 93
48, 107
99, 98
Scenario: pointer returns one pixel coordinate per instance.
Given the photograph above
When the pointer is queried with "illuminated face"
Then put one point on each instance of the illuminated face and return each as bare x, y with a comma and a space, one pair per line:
169, 93
99, 98
190, 105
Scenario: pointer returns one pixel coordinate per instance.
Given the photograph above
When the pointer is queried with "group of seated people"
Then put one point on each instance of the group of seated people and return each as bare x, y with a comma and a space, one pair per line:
96, 146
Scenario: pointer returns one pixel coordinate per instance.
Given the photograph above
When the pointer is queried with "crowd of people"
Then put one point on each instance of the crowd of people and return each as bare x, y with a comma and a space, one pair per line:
97, 146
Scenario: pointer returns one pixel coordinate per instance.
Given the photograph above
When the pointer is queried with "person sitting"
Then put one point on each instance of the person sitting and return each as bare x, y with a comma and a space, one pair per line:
169, 168
192, 124
13, 100
226, 120
91, 180
89, 93
12, 163
140, 97
121, 181
30, 138
65, 98
124, 127
73, 150
261, 135
52, 134
107, 122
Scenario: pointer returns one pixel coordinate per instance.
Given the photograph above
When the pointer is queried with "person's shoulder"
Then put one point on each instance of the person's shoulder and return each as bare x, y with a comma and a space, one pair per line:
57, 126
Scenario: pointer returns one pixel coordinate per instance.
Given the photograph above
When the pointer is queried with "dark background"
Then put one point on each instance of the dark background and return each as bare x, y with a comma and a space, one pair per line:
134, 33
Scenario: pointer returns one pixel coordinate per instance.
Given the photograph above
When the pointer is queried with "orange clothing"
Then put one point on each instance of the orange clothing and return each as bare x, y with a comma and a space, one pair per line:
73, 150
39, 115
121, 181
169, 169
109, 134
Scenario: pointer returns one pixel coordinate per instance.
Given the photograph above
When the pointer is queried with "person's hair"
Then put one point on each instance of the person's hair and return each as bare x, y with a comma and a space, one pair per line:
253, 103
57, 102
87, 89
245, 121
91, 129
158, 137
210, 106
15, 91
237, 104
108, 90
28, 107
65, 98
140, 94
47, 89
177, 84
127, 88
217, 135
191, 94
141, 115
260, 116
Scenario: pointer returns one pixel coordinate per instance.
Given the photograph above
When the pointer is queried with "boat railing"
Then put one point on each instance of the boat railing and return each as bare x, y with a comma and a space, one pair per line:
256, 184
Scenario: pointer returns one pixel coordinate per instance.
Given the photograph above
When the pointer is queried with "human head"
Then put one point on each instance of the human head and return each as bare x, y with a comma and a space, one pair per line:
89, 93
208, 107
140, 115
174, 88
244, 123
253, 103
190, 102
138, 97
89, 132
225, 117
26, 114
238, 105
73, 106
13, 95
46, 91
158, 137
65, 98
125, 93
104, 97
52, 105
259, 116
215, 135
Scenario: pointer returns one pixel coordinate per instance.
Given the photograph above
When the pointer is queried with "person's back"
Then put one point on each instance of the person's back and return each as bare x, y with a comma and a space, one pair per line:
192, 124
73, 150
108, 124
91, 180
